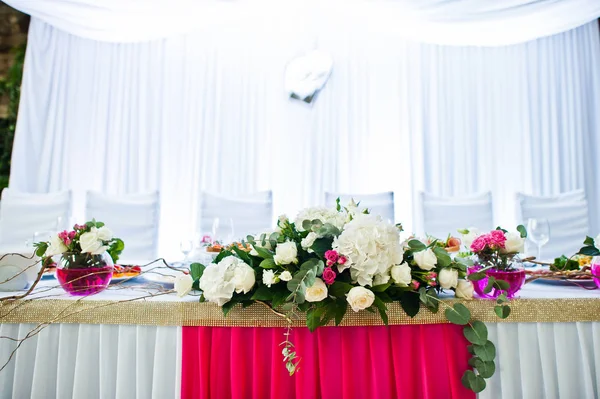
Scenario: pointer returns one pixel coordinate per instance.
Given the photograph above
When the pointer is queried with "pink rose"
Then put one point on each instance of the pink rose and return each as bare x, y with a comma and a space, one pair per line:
431, 275
342, 259
79, 227
480, 243
72, 235
331, 256
329, 275
415, 284
497, 238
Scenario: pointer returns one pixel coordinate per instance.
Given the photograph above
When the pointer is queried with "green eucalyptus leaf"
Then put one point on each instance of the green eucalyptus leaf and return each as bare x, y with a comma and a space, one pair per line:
502, 285
489, 285
522, 230
486, 352
502, 311
589, 251
458, 314
501, 298
306, 225
476, 276
486, 369
443, 258
476, 333
472, 381
416, 245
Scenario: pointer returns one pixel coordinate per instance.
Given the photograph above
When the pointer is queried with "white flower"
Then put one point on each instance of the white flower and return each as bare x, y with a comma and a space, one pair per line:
90, 243
464, 289
426, 260
597, 241
103, 233
308, 241
282, 221
286, 253
219, 281
402, 274
360, 298
183, 284
317, 292
514, 243
448, 278
353, 209
285, 276
269, 278
325, 215
467, 239
56, 247
380, 279
370, 246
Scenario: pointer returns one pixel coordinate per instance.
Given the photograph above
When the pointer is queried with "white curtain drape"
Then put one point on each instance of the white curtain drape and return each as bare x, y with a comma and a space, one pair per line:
462, 22
208, 112
91, 361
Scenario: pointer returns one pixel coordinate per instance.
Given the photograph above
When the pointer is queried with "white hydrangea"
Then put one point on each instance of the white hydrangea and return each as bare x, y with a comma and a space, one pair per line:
371, 247
219, 281
325, 215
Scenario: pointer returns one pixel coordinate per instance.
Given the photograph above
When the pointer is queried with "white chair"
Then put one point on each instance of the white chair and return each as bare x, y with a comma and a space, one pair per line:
132, 217
445, 215
567, 216
381, 204
251, 214
22, 215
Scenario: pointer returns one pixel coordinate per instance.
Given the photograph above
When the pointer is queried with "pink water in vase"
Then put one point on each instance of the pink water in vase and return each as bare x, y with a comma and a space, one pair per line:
515, 279
84, 274
596, 270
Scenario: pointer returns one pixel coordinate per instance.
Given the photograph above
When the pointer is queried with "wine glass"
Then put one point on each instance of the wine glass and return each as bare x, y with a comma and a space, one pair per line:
539, 233
186, 246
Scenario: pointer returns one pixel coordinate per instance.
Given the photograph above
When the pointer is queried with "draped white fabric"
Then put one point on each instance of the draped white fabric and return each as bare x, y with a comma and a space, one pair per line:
464, 22
91, 361
200, 112
545, 360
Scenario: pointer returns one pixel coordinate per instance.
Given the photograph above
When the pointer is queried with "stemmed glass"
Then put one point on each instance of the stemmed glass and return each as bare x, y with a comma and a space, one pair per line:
539, 233
186, 246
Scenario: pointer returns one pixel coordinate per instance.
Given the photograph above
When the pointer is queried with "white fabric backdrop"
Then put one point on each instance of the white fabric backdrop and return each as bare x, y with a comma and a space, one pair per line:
462, 22
208, 112
92, 361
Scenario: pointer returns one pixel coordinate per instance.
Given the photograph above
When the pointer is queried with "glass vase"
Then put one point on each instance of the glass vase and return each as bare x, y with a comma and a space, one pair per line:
595, 269
84, 274
515, 277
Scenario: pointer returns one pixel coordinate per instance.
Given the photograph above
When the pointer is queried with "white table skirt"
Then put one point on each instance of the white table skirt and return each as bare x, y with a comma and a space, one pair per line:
92, 361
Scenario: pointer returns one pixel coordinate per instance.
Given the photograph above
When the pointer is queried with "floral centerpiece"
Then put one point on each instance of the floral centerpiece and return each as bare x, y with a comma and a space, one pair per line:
497, 267
86, 254
327, 261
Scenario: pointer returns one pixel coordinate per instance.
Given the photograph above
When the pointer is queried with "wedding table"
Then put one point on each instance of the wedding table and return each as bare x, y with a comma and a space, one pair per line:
114, 344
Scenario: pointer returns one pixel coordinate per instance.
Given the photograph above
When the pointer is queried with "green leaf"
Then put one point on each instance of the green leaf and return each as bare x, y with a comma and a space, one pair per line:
380, 287
476, 276
485, 369
416, 245
307, 225
458, 314
410, 303
263, 293
42, 247
501, 285
501, 298
476, 333
489, 285
322, 245
243, 255
339, 289
313, 319
341, 306
228, 306
196, 270
264, 253
279, 297
589, 241
521, 229
443, 259
472, 381
380, 305
502, 311
433, 305
589, 251
463, 231
486, 352
268, 264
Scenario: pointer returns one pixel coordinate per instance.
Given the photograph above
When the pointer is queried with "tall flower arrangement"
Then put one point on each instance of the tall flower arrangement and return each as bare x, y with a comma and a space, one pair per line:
330, 260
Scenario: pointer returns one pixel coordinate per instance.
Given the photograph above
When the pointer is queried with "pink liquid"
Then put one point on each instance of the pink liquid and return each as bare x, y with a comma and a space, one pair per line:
515, 280
596, 273
87, 281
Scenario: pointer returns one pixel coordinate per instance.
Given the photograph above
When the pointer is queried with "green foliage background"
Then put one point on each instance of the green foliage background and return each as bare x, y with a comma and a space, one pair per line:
10, 86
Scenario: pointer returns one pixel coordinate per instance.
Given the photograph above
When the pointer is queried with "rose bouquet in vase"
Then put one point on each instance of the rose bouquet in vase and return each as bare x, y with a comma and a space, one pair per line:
497, 266
87, 256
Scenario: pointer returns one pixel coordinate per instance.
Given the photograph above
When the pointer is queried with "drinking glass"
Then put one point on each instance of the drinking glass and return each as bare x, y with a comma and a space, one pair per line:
539, 233
186, 246
223, 231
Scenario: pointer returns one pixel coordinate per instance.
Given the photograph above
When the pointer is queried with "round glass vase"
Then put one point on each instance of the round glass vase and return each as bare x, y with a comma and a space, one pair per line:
514, 276
84, 274
595, 269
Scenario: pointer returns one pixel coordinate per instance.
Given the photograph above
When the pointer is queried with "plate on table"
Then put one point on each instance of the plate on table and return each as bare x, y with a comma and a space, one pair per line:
125, 272
588, 283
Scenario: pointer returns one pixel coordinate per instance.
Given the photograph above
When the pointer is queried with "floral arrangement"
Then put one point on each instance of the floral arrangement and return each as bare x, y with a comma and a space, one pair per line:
92, 238
496, 249
329, 260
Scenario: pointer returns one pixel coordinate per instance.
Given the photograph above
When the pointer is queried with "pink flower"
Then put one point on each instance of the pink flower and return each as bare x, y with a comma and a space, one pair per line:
415, 284
67, 241
431, 275
480, 243
329, 275
330, 263
432, 283
331, 256
497, 238
342, 260
79, 227
72, 235
206, 240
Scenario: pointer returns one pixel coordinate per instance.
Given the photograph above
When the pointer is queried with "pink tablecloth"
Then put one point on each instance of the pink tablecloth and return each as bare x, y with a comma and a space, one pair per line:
420, 361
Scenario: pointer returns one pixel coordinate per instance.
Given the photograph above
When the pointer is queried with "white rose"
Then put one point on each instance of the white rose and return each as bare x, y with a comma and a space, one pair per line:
269, 278
360, 298
56, 247
308, 241
243, 277
597, 241
183, 284
448, 278
514, 243
90, 243
104, 233
426, 260
380, 279
216, 283
285, 276
467, 239
402, 274
286, 253
317, 292
464, 289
